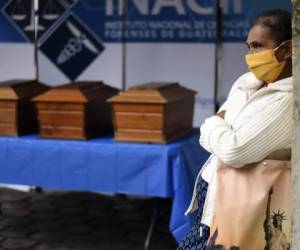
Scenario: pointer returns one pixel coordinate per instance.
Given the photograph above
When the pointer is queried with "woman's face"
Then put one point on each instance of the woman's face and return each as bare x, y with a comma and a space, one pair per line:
259, 39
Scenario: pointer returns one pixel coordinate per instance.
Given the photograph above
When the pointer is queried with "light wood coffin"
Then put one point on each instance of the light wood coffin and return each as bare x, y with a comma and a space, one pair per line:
153, 112
17, 111
75, 111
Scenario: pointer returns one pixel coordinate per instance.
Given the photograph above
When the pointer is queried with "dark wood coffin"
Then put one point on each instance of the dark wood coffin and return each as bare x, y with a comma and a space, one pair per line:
17, 111
75, 111
153, 112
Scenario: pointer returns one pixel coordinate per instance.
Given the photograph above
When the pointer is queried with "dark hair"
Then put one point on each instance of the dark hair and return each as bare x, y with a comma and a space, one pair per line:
278, 21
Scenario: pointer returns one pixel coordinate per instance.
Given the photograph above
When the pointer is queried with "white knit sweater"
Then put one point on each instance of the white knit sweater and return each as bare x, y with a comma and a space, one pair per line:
257, 122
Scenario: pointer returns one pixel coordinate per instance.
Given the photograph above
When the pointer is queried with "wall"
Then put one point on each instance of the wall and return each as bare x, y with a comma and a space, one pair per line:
125, 45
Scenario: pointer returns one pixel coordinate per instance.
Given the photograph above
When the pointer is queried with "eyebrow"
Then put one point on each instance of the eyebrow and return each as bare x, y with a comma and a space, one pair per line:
253, 43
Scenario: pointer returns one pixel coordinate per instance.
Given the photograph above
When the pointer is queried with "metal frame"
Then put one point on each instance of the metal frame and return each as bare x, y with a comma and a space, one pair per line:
152, 223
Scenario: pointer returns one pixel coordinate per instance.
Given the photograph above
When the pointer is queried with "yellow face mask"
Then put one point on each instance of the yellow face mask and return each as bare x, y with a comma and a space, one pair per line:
264, 64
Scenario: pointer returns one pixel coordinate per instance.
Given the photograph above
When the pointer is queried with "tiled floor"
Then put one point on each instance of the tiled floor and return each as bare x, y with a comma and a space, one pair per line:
80, 221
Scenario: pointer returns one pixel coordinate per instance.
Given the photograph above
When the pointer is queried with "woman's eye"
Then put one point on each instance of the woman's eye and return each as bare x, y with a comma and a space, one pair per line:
256, 46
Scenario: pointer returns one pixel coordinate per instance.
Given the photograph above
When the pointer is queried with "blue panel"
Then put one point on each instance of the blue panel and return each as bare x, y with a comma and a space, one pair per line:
148, 20
180, 21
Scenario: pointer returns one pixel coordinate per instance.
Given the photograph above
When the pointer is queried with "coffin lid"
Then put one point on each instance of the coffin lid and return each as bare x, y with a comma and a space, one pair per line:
79, 92
20, 89
154, 92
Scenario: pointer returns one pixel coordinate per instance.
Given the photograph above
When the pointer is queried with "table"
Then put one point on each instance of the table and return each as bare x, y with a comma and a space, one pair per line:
103, 165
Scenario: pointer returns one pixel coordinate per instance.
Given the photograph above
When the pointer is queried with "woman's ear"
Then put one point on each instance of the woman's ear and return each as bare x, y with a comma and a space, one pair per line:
289, 50
284, 52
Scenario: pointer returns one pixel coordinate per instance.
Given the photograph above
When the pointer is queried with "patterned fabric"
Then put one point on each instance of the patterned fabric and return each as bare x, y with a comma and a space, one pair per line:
197, 237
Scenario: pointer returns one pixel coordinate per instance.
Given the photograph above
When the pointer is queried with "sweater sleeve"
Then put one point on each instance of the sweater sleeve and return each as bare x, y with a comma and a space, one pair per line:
258, 136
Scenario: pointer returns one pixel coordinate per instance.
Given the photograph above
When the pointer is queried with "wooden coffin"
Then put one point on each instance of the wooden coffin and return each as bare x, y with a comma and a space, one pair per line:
17, 111
75, 111
153, 112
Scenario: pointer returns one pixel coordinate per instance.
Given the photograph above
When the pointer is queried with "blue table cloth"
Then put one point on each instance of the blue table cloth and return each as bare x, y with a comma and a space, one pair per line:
103, 165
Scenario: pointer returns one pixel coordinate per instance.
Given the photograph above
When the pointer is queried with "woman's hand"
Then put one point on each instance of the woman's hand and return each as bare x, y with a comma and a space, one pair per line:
221, 114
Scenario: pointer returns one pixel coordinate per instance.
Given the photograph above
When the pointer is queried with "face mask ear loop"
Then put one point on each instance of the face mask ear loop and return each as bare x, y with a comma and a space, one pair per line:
291, 54
283, 43
278, 47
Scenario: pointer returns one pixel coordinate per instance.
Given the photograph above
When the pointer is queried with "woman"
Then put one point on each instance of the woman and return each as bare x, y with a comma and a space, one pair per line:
254, 122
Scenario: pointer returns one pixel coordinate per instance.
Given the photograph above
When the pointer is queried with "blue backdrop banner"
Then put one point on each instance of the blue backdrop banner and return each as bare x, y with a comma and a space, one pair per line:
138, 21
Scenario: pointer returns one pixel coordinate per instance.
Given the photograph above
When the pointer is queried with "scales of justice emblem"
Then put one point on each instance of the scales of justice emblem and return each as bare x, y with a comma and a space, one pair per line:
69, 44
30, 16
